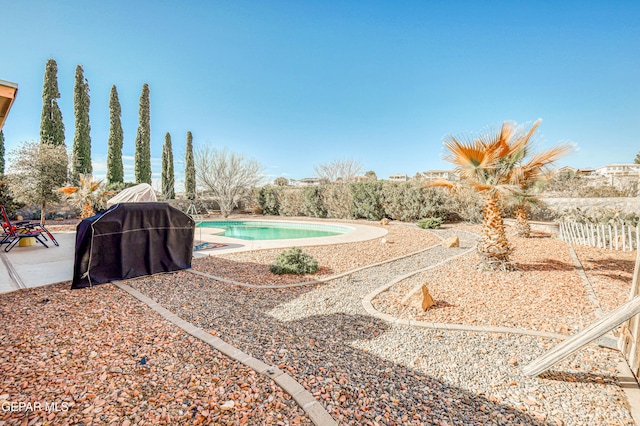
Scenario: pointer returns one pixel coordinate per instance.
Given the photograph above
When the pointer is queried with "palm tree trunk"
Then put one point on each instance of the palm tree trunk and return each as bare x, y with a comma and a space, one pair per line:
87, 211
494, 249
523, 229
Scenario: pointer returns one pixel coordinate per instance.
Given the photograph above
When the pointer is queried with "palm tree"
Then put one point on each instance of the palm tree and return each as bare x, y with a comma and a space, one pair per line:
496, 164
89, 194
520, 200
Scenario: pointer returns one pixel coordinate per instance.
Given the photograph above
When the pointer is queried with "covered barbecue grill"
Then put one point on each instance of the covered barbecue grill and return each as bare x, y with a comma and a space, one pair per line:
132, 240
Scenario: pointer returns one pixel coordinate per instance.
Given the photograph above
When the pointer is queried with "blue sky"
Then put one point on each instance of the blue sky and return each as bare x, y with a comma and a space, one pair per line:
294, 84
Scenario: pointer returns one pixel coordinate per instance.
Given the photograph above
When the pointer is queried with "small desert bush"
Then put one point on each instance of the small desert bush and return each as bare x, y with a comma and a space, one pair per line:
430, 223
294, 261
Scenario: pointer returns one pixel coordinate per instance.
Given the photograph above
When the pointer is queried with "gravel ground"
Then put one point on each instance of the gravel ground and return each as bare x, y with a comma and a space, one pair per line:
104, 358
610, 273
366, 371
333, 259
544, 294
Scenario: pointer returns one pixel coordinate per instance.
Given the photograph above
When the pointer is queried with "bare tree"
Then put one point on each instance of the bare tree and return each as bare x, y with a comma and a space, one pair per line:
344, 170
36, 171
230, 177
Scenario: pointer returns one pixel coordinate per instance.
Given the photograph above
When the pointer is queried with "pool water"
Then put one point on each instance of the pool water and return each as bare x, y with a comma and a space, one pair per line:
261, 230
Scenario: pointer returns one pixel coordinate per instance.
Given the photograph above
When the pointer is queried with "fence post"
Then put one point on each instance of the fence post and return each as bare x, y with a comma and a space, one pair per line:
615, 233
610, 239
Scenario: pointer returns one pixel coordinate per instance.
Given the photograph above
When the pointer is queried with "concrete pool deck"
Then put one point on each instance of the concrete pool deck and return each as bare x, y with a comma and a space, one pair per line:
35, 266
234, 245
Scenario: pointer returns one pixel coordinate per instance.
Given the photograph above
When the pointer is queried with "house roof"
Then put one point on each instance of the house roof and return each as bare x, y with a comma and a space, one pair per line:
8, 92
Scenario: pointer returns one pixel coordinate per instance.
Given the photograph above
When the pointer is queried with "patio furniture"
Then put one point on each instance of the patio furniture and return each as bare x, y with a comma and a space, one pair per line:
25, 225
14, 234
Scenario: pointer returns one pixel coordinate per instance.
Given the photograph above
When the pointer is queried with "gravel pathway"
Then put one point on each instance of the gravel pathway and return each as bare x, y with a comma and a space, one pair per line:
366, 371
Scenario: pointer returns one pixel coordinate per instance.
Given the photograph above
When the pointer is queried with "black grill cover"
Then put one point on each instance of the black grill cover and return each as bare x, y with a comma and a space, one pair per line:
132, 240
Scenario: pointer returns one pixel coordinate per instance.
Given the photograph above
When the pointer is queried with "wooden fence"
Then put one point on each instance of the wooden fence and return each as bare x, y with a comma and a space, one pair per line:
629, 341
614, 237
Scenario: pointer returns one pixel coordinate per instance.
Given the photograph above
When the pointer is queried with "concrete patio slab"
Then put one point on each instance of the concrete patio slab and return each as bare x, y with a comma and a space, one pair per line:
34, 266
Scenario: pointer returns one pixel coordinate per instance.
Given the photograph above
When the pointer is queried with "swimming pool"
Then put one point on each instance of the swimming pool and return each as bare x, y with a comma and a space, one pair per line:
264, 230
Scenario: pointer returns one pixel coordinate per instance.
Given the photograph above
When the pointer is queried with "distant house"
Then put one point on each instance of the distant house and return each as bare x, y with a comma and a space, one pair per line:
8, 92
306, 182
451, 175
565, 169
618, 170
586, 172
398, 178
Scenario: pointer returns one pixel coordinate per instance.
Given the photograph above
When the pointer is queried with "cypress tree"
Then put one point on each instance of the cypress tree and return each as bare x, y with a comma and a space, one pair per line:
143, 140
81, 154
52, 129
1, 153
115, 169
190, 170
168, 179
51, 125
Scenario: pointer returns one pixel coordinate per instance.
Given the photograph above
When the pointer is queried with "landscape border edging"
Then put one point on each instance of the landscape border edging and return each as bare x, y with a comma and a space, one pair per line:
316, 411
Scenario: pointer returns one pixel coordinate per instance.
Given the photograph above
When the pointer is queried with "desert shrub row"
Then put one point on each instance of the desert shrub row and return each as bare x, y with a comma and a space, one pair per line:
373, 200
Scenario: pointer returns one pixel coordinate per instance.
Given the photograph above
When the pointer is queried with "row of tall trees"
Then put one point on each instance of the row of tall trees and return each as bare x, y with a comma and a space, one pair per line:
39, 169
52, 132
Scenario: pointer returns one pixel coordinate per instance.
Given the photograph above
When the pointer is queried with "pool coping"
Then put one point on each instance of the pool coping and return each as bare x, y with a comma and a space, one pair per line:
234, 245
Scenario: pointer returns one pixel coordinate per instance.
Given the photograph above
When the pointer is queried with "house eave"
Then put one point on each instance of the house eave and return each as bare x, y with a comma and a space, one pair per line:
8, 93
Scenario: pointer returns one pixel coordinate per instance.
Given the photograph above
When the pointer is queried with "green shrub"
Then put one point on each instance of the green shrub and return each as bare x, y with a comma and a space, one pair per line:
268, 200
367, 200
464, 204
294, 261
402, 200
408, 201
291, 202
312, 204
338, 201
430, 223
